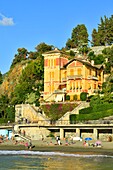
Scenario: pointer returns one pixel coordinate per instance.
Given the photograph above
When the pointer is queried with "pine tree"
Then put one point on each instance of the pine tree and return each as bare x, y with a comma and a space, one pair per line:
79, 37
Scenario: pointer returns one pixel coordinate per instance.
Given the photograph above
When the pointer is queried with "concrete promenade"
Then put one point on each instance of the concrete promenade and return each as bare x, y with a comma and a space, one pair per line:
94, 130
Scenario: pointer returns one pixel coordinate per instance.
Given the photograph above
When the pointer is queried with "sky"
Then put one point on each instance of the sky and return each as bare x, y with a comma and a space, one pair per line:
27, 23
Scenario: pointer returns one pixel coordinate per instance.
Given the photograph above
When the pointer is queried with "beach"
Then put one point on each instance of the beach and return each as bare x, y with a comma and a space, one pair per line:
51, 146
49, 156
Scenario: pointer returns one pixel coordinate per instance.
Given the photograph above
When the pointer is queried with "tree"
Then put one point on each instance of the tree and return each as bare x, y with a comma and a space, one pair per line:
108, 55
1, 78
95, 38
4, 102
33, 55
84, 49
21, 55
42, 47
104, 34
70, 44
99, 59
79, 35
83, 96
30, 83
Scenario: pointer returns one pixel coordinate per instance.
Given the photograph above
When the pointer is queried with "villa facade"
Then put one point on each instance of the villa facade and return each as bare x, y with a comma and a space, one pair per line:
70, 77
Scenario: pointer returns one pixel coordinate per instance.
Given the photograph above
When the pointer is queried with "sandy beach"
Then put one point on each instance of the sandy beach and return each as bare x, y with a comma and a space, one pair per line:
51, 146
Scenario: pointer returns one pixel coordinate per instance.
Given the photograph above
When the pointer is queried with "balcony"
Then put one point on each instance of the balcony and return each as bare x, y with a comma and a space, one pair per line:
92, 77
73, 77
60, 91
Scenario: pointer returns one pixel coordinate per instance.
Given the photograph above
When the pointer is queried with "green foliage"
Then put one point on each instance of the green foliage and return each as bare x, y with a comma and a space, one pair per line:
72, 53
30, 83
95, 115
33, 55
95, 100
95, 38
70, 44
42, 47
1, 78
56, 111
10, 111
5, 120
73, 119
98, 59
108, 54
7, 111
51, 135
67, 97
104, 34
83, 96
84, 49
79, 36
99, 108
87, 110
21, 55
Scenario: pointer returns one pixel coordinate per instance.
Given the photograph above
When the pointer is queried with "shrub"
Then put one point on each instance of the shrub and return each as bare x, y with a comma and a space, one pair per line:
51, 135
73, 119
83, 96
95, 115
86, 110
67, 97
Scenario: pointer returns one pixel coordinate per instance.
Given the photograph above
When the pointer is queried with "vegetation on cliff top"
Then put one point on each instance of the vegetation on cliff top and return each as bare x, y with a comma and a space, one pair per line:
24, 81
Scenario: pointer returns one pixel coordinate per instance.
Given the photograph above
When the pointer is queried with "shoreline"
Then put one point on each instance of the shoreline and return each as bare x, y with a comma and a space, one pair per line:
77, 148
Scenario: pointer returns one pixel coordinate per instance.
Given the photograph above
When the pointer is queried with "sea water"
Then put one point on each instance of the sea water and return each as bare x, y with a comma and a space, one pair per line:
33, 160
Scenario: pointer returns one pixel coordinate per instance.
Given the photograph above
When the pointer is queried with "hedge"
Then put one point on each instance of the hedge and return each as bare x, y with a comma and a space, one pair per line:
95, 115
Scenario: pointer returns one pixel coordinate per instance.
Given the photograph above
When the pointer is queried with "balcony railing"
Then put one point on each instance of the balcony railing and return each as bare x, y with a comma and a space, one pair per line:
92, 77
60, 91
68, 122
74, 77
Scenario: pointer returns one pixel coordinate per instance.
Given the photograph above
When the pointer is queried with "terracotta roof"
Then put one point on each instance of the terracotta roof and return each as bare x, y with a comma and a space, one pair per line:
84, 62
56, 50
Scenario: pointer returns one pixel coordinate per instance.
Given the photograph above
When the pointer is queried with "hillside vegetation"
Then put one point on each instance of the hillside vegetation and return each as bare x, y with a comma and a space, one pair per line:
24, 81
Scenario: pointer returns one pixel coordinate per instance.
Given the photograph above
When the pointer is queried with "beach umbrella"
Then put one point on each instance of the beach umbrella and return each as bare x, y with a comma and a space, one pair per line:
98, 142
88, 138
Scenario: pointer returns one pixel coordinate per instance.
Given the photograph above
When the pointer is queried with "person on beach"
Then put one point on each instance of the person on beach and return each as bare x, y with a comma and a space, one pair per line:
85, 143
59, 143
24, 132
26, 145
57, 139
66, 140
30, 145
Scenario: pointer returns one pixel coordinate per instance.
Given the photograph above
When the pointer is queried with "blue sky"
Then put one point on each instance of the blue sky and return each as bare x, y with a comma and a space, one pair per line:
26, 23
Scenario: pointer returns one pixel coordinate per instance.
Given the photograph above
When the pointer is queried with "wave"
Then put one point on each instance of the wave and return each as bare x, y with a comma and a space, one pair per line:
23, 152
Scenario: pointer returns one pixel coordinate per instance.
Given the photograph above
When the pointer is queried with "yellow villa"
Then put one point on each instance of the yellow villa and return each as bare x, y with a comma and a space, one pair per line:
70, 77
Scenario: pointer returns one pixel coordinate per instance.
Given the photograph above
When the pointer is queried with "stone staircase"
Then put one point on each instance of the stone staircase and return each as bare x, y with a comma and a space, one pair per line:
31, 114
